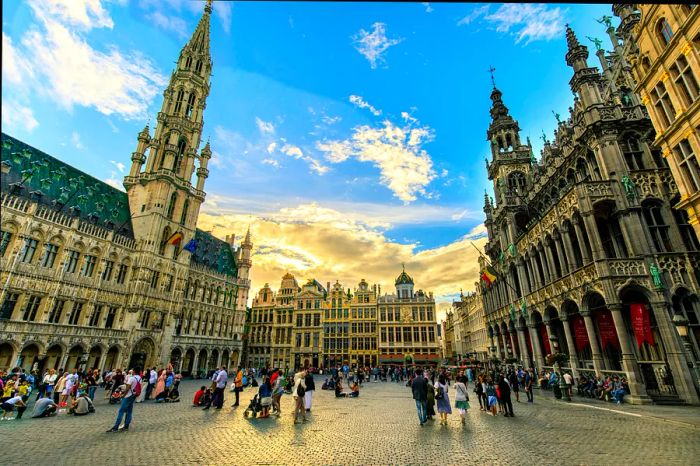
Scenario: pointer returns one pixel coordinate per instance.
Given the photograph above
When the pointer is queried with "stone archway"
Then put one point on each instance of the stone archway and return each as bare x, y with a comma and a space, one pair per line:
28, 356
6, 355
225, 358
235, 357
202, 363
213, 359
176, 359
53, 358
143, 353
94, 357
111, 358
75, 355
188, 362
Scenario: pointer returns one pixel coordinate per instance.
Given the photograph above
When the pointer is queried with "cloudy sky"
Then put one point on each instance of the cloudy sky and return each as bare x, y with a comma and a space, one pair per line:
351, 137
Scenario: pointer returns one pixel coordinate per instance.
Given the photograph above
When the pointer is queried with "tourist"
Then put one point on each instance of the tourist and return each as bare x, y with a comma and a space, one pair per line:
443, 399
197, 401
265, 395
146, 384
504, 390
354, 390
339, 389
277, 391
133, 387
298, 392
569, 381
490, 391
310, 387
82, 405
91, 382
152, 380
514, 385
8, 406
461, 397
528, 380
479, 390
160, 384
419, 387
618, 391
238, 385
430, 404
44, 407
60, 392
220, 380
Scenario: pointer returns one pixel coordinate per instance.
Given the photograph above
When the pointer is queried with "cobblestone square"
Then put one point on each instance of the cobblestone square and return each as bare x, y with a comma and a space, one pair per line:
380, 427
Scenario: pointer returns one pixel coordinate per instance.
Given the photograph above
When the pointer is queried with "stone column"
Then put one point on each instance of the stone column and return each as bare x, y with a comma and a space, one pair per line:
569, 248
585, 253
594, 237
545, 266
638, 392
516, 354
563, 262
548, 325
520, 267
195, 369
571, 346
536, 347
522, 343
632, 238
675, 353
598, 363
550, 261
102, 361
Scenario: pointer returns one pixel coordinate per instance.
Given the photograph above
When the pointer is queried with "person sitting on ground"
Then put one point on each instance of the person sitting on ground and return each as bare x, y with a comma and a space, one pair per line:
197, 401
606, 392
82, 405
325, 385
339, 390
162, 397
44, 407
355, 390
173, 395
618, 391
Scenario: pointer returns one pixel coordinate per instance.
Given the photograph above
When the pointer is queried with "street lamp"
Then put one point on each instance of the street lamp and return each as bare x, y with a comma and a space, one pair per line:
681, 324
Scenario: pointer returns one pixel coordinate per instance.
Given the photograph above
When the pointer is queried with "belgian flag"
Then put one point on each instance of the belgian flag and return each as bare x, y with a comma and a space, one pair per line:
175, 238
488, 275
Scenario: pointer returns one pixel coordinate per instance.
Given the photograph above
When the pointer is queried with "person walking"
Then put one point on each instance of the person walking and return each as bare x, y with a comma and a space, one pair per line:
461, 397
443, 399
419, 387
504, 389
133, 389
298, 392
528, 382
277, 391
238, 385
514, 385
310, 387
430, 405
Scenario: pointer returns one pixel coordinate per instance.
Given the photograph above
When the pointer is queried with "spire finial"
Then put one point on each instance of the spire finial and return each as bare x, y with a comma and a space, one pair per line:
491, 70
207, 7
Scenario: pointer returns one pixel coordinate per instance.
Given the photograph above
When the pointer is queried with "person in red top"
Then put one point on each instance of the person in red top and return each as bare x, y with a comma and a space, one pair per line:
198, 396
273, 377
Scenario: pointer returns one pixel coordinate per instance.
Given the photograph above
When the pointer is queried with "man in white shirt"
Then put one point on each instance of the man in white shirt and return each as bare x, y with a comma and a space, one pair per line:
133, 383
220, 378
8, 406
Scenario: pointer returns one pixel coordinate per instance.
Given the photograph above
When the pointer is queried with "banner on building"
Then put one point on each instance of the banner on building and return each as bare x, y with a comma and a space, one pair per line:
606, 328
641, 324
545, 339
580, 334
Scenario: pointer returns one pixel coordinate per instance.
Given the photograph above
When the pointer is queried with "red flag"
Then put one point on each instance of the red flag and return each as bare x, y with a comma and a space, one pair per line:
606, 328
580, 334
528, 342
641, 324
545, 339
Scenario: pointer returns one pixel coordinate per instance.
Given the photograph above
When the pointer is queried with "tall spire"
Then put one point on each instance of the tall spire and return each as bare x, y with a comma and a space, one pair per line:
199, 42
571, 39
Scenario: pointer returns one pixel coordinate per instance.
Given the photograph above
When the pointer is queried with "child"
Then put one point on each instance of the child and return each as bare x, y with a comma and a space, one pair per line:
491, 396
265, 393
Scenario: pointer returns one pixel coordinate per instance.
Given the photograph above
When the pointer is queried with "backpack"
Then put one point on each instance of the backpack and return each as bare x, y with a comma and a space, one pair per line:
136, 389
439, 393
300, 390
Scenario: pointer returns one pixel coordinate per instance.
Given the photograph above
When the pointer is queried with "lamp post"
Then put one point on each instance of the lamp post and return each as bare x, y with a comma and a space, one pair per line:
681, 324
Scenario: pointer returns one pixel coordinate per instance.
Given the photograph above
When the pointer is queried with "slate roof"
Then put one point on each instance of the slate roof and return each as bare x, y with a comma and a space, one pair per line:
214, 253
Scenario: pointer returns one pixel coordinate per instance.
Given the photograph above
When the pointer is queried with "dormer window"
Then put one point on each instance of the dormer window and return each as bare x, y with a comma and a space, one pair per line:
664, 31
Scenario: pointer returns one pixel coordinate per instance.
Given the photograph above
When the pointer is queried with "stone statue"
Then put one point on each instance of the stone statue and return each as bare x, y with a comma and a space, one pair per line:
557, 116
544, 138
597, 42
607, 20
629, 186
655, 275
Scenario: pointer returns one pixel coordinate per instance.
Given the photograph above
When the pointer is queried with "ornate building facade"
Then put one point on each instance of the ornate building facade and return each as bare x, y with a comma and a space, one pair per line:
95, 277
471, 337
663, 53
591, 256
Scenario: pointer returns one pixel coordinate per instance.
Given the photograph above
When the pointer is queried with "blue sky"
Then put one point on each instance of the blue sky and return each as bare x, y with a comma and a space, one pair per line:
343, 133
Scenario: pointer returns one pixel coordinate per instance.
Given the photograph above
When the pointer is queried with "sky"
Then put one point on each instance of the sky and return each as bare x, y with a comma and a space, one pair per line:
350, 137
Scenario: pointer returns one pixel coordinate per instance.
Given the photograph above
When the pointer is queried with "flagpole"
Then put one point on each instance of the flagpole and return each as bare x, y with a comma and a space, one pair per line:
505, 279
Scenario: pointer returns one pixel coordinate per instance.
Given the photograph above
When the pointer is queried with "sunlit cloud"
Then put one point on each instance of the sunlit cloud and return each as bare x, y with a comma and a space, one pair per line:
375, 44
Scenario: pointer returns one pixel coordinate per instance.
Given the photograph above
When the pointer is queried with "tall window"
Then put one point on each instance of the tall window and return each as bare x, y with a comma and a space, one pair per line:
190, 105
688, 164
49, 257
74, 318
664, 31
662, 103
181, 149
95, 317
89, 266
164, 240
56, 311
684, 80
171, 206
29, 249
30, 309
690, 239
178, 101
121, 275
188, 62
5, 237
71, 261
198, 66
155, 275
633, 153
8, 305
658, 229
185, 208
108, 269
516, 183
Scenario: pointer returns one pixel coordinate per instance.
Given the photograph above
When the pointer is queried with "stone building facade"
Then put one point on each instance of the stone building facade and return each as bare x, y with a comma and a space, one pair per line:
661, 47
95, 277
471, 336
591, 256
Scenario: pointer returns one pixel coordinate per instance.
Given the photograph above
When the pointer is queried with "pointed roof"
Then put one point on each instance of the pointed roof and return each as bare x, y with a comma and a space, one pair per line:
247, 237
199, 42
404, 278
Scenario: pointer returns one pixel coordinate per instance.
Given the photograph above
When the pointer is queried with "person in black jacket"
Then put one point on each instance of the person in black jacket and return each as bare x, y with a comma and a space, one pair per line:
420, 394
504, 389
310, 387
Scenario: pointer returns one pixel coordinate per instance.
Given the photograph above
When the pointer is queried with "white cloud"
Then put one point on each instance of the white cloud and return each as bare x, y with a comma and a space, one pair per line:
405, 167
224, 11
359, 102
528, 22
169, 23
120, 166
15, 67
75, 140
374, 45
56, 60
271, 147
114, 182
16, 115
474, 14
272, 162
428, 8
329, 120
264, 126
297, 153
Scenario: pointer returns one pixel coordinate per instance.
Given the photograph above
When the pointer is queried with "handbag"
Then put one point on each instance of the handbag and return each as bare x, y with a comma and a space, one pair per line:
266, 401
439, 393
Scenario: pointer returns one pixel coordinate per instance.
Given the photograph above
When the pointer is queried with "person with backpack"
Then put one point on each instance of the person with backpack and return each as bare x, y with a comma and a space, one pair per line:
133, 390
461, 397
299, 392
443, 399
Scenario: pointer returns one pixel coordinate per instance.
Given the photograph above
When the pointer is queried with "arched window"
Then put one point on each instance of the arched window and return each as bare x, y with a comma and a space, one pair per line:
164, 240
188, 62
633, 153
198, 66
178, 101
190, 105
582, 169
657, 226
181, 148
516, 183
171, 206
664, 31
185, 208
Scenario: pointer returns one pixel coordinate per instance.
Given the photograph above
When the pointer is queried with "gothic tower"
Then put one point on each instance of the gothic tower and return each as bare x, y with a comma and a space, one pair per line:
162, 199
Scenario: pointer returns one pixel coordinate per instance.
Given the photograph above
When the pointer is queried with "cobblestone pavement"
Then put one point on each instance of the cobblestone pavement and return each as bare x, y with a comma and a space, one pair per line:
380, 427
